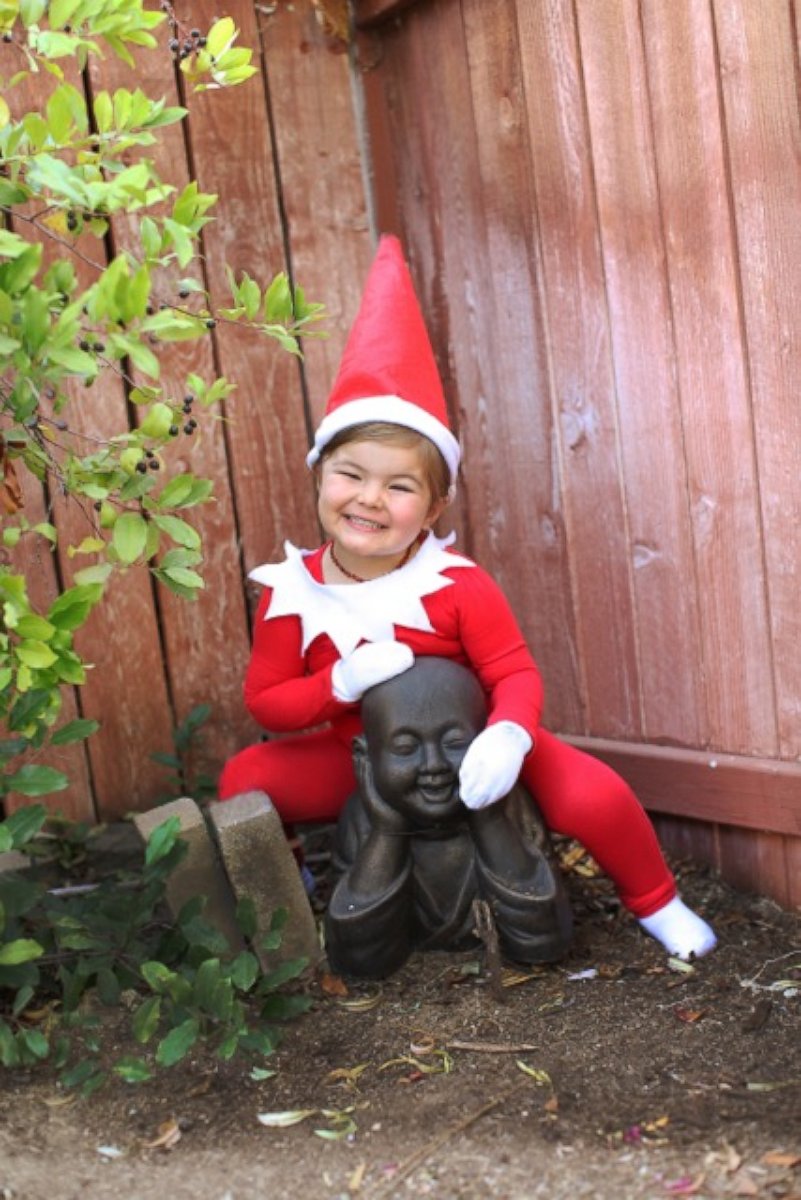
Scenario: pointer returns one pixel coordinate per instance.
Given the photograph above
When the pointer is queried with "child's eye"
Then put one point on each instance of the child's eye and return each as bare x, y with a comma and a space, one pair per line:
348, 474
401, 487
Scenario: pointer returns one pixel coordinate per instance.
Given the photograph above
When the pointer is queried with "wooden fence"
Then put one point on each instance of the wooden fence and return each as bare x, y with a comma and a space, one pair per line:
601, 203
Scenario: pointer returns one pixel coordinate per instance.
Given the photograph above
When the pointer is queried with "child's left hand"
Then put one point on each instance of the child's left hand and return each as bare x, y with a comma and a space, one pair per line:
492, 764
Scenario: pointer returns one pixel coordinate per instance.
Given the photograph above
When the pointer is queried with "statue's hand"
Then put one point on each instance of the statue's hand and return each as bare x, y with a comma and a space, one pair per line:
382, 816
492, 764
367, 665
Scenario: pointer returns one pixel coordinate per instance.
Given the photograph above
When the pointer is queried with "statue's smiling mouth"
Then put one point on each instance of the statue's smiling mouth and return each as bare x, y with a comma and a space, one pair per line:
436, 791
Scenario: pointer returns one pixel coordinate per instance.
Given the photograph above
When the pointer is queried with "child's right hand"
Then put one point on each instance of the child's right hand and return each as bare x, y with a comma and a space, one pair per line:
367, 665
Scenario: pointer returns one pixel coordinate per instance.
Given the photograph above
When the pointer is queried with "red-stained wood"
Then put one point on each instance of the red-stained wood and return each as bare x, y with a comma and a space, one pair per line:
125, 687
755, 864
485, 288
266, 433
739, 710
754, 793
373, 12
759, 85
580, 360
37, 562
695, 841
322, 181
191, 629
649, 427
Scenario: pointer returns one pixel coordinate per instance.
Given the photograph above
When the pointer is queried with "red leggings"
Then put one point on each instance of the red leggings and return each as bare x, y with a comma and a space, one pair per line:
309, 778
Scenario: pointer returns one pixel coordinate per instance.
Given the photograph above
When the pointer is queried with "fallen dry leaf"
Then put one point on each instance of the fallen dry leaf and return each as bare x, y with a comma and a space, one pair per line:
777, 1158
686, 1186
168, 1135
743, 1185
690, 1015
332, 985
357, 1177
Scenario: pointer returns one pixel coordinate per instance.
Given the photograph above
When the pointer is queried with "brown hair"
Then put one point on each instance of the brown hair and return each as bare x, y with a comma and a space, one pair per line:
435, 469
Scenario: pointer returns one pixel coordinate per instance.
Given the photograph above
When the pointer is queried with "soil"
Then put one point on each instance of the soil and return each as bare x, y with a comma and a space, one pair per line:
612, 1074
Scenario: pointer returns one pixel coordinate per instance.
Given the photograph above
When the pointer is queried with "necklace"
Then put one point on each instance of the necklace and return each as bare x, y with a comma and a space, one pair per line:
359, 578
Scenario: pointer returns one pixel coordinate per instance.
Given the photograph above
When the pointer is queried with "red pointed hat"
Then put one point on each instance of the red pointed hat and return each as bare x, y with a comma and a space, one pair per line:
388, 371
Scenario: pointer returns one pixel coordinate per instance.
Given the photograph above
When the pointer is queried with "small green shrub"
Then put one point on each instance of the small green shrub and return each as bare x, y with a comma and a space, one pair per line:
66, 953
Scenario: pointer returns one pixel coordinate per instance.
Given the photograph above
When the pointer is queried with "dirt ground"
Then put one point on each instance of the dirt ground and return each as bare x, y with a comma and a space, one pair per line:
609, 1075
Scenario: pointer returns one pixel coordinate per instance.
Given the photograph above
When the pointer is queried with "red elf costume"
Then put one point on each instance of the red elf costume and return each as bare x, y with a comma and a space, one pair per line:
310, 637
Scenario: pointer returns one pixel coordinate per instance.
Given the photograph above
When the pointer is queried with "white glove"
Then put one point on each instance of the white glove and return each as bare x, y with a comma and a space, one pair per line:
492, 764
368, 665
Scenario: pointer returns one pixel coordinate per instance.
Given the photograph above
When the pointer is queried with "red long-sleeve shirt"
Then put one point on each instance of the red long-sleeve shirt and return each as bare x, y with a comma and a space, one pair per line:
287, 690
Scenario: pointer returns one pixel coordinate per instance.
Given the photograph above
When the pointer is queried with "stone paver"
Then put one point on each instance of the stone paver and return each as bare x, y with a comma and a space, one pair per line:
261, 866
201, 871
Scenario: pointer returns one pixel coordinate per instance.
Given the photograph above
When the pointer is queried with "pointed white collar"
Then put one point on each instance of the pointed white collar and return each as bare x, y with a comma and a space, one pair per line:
349, 613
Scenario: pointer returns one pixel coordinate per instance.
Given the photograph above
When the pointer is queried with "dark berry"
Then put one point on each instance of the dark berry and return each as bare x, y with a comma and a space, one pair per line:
195, 33
72, 221
201, 41
154, 464
173, 44
184, 292
98, 504
8, 37
211, 323
141, 466
84, 345
149, 454
192, 423
189, 429
174, 431
99, 347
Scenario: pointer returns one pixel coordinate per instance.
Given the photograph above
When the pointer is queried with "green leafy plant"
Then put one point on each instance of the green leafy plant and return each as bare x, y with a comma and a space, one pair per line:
63, 956
187, 740
68, 170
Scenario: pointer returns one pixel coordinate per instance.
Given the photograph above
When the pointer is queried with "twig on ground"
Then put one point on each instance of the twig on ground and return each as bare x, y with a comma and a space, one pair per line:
486, 931
419, 1157
493, 1047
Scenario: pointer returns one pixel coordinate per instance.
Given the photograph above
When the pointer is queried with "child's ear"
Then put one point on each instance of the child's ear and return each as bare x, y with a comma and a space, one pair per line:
436, 510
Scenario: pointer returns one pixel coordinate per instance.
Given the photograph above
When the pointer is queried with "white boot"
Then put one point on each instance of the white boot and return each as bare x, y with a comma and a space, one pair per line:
681, 931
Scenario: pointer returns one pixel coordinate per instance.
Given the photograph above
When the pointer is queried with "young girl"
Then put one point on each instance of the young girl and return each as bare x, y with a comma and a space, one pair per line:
384, 589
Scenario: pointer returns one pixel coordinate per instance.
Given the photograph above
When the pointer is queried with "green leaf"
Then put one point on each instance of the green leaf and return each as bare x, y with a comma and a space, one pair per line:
178, 1042
146, 1019
20, 951
285, 1008
33, 626
25, 823
36, 1043
180, 531
244, 970
31, 780
130, 536
133, 1070
35, 654
162, 840
74, 731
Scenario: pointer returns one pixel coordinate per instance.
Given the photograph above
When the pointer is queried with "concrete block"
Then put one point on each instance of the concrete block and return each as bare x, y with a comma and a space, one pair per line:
13, 860
200, 873
260, 865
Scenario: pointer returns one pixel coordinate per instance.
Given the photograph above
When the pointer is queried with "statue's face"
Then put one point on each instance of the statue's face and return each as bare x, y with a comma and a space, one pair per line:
417, 736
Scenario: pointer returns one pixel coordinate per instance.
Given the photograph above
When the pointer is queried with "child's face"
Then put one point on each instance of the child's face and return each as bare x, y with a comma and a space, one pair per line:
374, 500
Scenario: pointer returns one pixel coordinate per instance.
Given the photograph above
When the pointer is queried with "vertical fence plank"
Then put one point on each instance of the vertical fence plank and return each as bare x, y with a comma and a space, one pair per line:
266, 431
38, 564
712, 374
581, 367
125, 687
760, 94
654, 471
322, 179
191, 630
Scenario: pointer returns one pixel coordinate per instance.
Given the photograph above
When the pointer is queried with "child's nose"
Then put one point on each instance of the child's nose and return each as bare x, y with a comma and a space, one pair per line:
371, 492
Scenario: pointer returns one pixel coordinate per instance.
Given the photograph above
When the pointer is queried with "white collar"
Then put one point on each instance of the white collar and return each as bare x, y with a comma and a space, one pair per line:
368, 611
